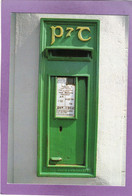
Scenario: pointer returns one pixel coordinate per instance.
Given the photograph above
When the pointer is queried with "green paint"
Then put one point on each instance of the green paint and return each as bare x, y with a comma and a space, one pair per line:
67, 145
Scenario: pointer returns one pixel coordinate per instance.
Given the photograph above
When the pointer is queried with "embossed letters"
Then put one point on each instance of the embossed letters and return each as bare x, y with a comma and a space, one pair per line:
54, 34
80, 33
70, 30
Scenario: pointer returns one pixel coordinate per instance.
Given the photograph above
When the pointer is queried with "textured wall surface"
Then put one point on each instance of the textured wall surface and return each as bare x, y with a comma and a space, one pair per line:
24, 63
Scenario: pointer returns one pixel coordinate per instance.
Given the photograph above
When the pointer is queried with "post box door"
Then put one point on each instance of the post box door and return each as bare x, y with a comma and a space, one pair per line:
68, 121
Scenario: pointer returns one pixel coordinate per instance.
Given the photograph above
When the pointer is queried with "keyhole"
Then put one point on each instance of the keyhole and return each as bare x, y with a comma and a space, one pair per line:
60, 128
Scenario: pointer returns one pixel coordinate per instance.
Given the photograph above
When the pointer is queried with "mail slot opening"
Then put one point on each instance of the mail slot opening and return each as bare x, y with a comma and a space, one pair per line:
69, 53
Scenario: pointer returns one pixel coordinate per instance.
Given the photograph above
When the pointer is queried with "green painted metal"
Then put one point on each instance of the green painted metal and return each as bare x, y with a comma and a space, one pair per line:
67, 144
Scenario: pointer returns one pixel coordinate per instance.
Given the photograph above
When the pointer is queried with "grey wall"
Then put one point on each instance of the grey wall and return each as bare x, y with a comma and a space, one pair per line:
24, 63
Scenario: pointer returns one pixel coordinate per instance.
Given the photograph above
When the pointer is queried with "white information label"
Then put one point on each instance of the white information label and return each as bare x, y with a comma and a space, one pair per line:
65, 103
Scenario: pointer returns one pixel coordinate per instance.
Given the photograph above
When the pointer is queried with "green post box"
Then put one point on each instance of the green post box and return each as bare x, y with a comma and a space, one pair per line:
68, 97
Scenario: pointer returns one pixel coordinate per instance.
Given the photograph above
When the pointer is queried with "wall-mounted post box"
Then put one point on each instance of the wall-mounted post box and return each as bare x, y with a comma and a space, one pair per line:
68, 97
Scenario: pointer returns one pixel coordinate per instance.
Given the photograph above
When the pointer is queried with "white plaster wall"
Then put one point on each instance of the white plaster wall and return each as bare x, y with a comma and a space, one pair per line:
24, 63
